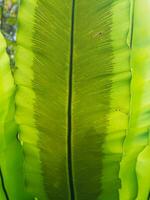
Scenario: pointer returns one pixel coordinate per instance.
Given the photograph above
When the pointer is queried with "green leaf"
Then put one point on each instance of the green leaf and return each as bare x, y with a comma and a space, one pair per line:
135, 162
73, 66
11, 174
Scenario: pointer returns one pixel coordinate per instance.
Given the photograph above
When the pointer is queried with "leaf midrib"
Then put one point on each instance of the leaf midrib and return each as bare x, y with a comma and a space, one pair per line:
70, 170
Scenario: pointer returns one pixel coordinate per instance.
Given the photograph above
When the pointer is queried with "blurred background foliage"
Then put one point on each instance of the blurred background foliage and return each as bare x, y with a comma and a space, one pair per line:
8, 25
